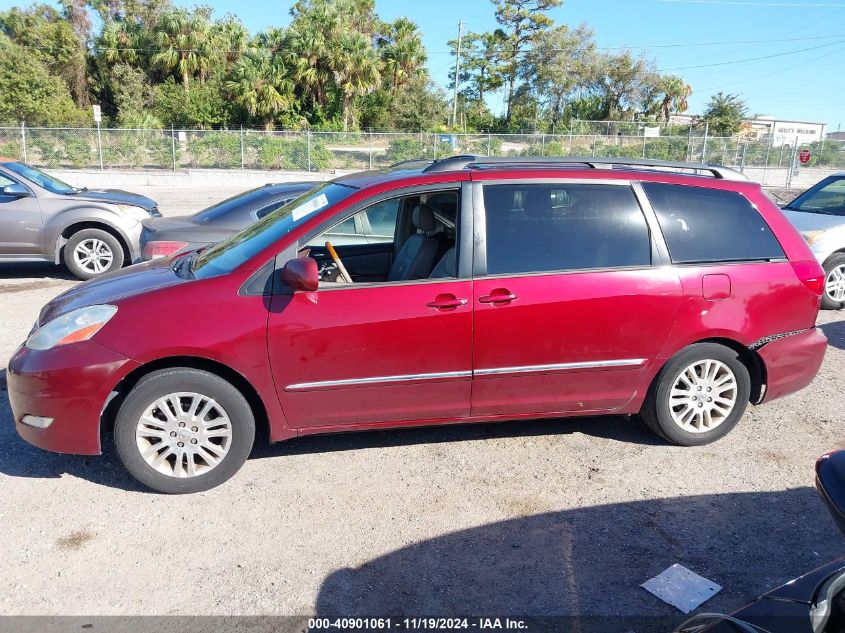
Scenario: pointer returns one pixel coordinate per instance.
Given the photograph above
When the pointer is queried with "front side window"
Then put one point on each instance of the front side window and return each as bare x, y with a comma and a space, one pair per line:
550, 227
374, 225
828, 199
703, 225
400, 239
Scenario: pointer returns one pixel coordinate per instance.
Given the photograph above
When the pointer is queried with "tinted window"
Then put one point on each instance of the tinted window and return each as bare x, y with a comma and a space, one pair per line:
534, 228
272, 207
708, 225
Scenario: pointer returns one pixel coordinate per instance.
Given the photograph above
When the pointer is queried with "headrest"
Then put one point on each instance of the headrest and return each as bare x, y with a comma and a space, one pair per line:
423, 218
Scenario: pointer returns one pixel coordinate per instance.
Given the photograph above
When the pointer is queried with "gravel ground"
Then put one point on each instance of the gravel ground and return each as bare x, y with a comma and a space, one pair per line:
533, 518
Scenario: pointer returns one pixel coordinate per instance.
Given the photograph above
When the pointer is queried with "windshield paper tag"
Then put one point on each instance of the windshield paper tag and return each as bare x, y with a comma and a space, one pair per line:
309, 207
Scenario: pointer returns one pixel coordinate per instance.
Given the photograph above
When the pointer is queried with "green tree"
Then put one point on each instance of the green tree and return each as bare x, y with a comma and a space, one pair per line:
522, 21
481, 72
186, 47
622, 81
402, 52
724, 114
28, 92
357, 71
259, 84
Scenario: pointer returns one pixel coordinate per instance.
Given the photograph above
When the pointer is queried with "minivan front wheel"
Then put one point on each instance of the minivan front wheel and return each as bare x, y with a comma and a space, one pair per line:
184, 430
698, 396
92, 252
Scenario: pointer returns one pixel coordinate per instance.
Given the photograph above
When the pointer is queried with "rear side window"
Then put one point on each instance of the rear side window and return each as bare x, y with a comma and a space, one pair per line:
560, 226
708, 225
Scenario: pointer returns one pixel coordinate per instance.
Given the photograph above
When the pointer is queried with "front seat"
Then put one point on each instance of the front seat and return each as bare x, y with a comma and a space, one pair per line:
416, 257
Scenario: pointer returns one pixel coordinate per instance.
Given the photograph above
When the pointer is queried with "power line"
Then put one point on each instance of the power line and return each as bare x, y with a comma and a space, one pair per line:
776, 72
789, 5
754, 59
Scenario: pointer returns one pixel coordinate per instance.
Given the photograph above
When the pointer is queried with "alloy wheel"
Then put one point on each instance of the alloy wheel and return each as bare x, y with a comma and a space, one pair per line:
834, 284
93, 255
184, 434
703, 396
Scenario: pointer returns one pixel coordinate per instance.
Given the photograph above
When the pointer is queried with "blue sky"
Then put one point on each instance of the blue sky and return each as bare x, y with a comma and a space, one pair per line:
801, 75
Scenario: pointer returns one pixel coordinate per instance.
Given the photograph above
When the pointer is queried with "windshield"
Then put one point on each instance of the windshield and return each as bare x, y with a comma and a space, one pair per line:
53, 185
227, 255
827, 197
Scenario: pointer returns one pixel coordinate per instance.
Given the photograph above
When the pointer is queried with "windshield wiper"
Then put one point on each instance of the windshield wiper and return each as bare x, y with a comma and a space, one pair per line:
79, 190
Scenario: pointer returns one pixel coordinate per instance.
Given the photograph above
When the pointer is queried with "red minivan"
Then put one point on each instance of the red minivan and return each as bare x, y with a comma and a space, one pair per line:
484, 289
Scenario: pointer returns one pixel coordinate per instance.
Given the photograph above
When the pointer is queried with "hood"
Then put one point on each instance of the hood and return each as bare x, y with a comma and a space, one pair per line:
115, 196
804, 221
112, 287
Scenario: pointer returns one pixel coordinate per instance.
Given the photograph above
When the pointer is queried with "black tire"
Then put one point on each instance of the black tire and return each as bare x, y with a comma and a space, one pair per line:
168, 381
656, 413
834, 261
109, 241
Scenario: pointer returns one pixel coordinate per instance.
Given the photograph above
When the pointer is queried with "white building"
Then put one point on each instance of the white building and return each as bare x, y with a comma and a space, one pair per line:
779, 131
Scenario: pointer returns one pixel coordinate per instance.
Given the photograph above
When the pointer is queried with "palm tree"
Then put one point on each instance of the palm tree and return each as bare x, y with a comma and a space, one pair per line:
259, 85
403, 52
307, 50
356, 70
185, 44
675, 95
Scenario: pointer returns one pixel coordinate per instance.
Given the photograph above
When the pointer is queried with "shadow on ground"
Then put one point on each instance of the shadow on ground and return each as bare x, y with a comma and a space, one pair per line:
34, 270
19, 459
835, 332
591, 561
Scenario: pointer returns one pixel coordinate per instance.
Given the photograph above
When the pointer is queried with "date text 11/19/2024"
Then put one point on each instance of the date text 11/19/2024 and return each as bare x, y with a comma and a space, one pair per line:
414, 624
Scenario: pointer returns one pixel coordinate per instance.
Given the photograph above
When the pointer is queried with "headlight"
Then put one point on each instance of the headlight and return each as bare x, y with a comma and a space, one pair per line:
136, 213
812, 236
77, 325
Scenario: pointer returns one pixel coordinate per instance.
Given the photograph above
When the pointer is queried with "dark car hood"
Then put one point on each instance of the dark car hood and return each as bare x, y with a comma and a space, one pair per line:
116, 196
112, 287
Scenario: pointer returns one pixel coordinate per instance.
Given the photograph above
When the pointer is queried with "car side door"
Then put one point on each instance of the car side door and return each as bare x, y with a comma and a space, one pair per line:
572, 306
21, 224
387, 352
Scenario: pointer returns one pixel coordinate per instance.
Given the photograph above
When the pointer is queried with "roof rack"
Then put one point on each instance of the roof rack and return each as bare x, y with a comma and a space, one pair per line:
454, 163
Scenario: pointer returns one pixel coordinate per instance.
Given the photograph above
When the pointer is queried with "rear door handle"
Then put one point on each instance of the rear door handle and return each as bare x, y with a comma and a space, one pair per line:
503, 296
446, 302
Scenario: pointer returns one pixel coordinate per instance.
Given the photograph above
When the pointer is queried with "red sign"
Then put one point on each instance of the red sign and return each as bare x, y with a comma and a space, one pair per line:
804, 156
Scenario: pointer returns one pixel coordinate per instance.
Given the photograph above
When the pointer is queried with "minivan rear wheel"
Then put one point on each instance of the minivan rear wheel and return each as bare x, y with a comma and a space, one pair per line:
183, 430
834, 282
698, 396
92, 252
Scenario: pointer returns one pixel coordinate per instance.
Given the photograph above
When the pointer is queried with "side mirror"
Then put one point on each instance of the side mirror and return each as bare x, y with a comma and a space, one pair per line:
15, 189
830, 481
301, 273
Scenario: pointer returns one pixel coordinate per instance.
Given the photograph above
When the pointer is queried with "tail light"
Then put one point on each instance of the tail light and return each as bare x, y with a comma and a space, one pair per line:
152, 250
811, 275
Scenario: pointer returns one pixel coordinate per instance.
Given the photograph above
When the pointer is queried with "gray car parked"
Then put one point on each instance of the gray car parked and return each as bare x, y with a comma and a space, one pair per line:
43, 219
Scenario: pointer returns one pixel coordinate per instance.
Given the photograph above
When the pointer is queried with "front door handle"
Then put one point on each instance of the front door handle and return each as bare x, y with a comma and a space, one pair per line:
446, 302
499, 295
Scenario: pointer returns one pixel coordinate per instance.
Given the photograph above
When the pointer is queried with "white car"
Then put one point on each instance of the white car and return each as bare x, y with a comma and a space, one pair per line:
819, 214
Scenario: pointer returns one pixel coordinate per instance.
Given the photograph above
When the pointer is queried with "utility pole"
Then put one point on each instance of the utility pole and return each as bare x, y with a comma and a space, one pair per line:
457, 73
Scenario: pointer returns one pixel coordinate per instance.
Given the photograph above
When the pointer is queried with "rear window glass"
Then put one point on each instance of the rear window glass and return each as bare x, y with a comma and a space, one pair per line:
708, 225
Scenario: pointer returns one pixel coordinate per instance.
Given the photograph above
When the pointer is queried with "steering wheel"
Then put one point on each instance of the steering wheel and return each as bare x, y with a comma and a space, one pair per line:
340, 266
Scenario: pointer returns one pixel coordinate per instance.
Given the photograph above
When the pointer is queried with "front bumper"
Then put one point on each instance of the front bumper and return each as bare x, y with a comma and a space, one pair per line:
792, 362
69, 384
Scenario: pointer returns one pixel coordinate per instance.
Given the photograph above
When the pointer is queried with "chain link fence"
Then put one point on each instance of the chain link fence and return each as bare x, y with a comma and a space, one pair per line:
353, 151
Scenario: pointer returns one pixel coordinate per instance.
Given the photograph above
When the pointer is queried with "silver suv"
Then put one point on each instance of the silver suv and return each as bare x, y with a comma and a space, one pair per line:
43, 219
